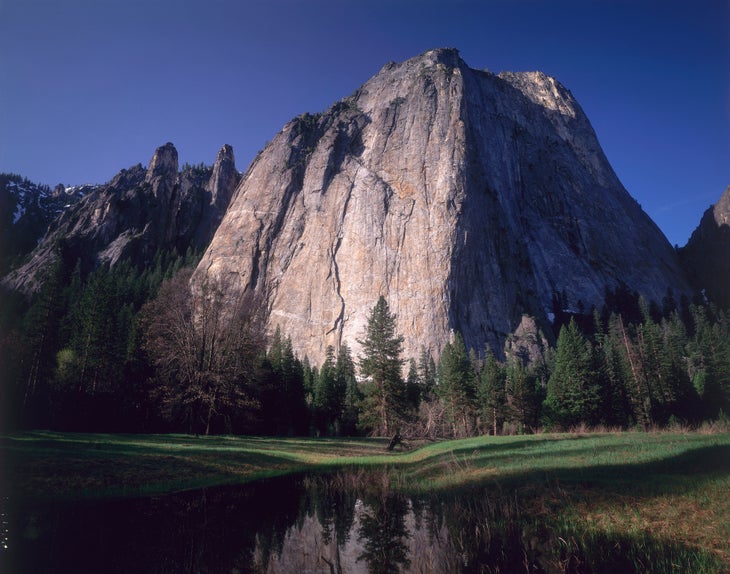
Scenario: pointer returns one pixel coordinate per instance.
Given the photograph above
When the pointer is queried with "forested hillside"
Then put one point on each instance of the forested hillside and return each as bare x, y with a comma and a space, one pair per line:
444, 253
135, 350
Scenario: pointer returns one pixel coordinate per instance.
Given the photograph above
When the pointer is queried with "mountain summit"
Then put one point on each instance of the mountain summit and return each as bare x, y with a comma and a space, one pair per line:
466, 198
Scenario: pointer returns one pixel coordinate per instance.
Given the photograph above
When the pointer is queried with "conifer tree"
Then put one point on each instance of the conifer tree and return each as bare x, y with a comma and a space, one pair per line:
290, 408
709, 360
327, 401
491, 393
637, 387
384, 404
426, 373
611, 375
41, 326
572, 393
522, 396
347, 386
456, 386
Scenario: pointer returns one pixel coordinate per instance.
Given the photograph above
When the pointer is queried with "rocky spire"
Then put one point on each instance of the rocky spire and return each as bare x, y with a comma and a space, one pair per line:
224, 179
134, 216
162, 172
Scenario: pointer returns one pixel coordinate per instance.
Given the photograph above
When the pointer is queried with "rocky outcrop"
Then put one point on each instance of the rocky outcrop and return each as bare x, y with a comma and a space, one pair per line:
26, 211
139, 212
466, 198
707, 253
162, 173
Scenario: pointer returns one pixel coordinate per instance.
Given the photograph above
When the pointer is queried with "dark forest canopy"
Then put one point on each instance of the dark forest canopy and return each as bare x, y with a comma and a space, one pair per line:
134, 350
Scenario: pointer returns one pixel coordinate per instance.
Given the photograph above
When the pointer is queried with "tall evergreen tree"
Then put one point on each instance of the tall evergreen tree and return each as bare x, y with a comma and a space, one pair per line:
491, 394
611, 375
350, 392
456, 387
426, 373
709, 360
572, 393
41, 327
290, 410
522, 395
384, 405
327, 400
637, 386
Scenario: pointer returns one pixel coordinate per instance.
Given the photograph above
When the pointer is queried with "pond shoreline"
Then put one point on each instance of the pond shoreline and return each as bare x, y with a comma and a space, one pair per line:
659, 498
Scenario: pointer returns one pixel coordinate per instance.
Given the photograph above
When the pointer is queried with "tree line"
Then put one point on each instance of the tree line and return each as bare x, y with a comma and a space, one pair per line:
136, 350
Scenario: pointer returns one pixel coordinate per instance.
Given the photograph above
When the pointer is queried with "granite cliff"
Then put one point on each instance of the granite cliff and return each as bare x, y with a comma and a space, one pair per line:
137, 213
707, 253
467, 199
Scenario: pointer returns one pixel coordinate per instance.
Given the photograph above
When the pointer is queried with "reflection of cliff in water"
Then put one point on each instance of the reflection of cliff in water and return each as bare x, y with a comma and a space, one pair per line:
343, 523
373, 531
360, 525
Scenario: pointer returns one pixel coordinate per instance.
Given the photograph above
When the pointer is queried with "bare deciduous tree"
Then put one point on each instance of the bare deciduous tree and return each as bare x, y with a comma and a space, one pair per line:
204, 347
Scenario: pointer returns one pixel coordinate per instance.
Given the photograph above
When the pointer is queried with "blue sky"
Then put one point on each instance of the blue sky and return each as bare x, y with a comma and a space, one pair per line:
88, 87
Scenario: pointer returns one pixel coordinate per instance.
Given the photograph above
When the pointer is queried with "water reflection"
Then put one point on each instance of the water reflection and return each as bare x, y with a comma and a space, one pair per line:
331, 524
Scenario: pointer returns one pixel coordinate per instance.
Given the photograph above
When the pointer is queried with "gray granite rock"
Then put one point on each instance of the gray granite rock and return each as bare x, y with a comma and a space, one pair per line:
467, 199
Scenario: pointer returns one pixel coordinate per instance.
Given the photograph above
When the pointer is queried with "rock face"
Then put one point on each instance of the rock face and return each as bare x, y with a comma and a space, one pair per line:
26, 210
707, 253
136, 214
467, 199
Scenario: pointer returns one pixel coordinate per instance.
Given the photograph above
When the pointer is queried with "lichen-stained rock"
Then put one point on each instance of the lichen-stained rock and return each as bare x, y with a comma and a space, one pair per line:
467, 199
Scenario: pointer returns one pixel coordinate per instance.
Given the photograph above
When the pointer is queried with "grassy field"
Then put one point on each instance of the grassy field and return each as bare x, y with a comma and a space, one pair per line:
672, 486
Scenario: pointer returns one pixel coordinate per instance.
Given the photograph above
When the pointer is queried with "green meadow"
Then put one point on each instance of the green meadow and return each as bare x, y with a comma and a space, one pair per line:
669, 486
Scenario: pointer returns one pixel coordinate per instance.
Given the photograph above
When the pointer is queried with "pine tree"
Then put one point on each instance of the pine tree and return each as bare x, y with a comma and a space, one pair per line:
522, 396
327, 401
456, 386
384, 405
637, 387
709, 360
426, 373
347, 384
612, 376
289, 396
41, 326
491, 393
572, 393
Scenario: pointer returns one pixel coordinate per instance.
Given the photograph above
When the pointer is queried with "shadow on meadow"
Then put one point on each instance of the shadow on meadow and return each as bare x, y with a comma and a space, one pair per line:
262, 526
528, 515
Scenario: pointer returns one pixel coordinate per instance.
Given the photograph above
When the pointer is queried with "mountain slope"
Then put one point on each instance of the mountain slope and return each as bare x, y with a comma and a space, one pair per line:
707, 253
467, 199
26, 210
133, 216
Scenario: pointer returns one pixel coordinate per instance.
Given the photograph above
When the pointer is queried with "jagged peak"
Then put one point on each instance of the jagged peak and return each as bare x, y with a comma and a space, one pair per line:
226, 152
164, 163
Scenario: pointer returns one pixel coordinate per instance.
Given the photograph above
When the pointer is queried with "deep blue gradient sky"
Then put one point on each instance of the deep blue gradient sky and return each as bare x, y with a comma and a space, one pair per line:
88, 87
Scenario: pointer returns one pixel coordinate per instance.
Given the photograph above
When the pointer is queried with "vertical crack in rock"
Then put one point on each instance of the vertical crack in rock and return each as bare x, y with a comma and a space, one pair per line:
339, 319
466, 198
